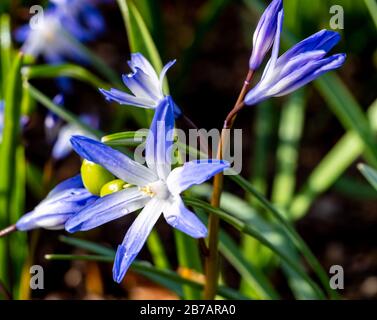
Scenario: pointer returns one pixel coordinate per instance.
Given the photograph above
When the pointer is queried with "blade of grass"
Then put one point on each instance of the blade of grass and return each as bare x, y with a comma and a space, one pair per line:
331, 167
372, 7
290, 132
139, 37
169, 279
354, 188
250, 230
157, 250
289, 229
10, 141
5, 51
150, 10
64, 70
369, 173
18, 240
253, 251
273, 233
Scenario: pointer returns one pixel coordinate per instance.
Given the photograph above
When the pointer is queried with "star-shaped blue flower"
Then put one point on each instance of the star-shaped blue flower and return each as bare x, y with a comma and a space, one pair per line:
144, 83
156, 188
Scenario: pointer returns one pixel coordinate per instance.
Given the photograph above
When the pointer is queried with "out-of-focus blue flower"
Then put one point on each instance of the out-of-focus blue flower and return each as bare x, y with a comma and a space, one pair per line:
24, 119
82, 19
49, 39
59, 135
62, 146
65, 200
155, 188
300, 65
144, 83
265, 32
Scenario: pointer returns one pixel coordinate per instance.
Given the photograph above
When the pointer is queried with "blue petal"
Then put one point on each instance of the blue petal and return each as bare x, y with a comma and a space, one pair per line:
323, 40
94, 20
179, 217
264, 35
140, 62
71, 183
127, 99
177, 111
275, 50
194, 172
22, 33
142, 85
160, 139
54, 211
319, 68
106, 209
135, 238
164, 70
114, 161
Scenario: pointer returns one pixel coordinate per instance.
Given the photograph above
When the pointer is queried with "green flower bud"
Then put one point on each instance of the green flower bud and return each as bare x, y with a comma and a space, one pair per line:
94, 176
113, 186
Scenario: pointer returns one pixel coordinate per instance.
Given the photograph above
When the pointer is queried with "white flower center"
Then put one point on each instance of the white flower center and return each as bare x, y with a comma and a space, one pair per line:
157, 189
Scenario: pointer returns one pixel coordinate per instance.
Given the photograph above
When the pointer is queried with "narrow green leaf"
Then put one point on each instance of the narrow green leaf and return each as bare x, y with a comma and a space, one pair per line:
18, 240
372, 7
88, 245
156, 248
291, 128
369, 173
128, 138
250, 230
5, 51
169, 279
354, 188
243, 211
249, 273
64, 70
139, 37
8, 156
289, 229
348, 111
331, 167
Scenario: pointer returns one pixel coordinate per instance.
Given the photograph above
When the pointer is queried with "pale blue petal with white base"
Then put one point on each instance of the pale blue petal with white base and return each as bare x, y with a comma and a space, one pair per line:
179, 217
114, 161
107, 208
160, 139
194, 172
136, 237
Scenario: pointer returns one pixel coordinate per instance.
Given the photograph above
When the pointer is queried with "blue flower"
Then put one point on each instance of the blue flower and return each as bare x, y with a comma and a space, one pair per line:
65, 200
50, 39
144, 83
82, 19
264, 34
300, 65
156, 188
59, 135
62, 146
